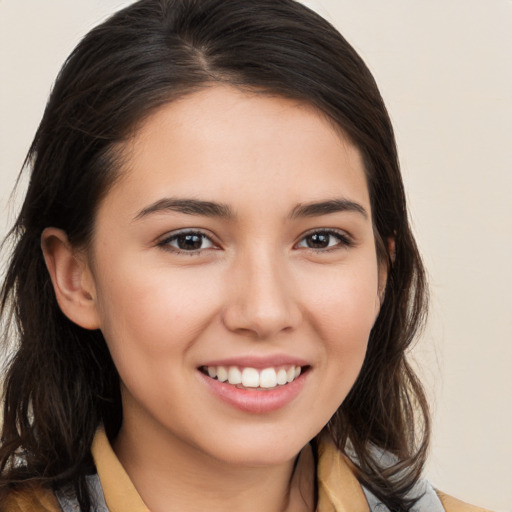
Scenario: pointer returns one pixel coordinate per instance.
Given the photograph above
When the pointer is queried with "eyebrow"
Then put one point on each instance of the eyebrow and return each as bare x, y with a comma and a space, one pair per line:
189, 207
327, 207
213, 209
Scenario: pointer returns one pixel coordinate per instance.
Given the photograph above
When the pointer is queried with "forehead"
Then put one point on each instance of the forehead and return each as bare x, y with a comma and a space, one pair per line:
240, 147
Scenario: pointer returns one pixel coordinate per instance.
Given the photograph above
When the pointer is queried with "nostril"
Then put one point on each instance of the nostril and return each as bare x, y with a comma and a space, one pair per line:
261, 320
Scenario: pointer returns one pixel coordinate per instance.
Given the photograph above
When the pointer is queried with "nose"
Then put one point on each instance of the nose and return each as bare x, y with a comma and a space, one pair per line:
262, 301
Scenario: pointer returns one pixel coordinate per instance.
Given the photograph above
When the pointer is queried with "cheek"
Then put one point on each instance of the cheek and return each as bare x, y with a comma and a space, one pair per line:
342, 314
147, 313
346, 303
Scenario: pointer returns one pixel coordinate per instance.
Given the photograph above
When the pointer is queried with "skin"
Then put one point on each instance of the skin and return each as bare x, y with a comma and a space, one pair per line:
255, 288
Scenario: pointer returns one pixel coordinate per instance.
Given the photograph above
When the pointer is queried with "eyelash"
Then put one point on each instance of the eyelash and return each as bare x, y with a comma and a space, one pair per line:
166, 242
344, 241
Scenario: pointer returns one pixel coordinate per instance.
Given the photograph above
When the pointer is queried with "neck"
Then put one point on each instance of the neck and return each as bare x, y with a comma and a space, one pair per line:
172, 477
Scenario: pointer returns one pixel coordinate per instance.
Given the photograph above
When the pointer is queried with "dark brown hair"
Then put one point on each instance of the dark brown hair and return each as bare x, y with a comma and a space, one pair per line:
61, 383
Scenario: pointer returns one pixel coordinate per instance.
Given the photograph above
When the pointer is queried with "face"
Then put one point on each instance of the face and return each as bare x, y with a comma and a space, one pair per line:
237, 245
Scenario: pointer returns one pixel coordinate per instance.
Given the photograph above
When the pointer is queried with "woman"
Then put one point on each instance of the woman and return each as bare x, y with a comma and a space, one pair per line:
227, 284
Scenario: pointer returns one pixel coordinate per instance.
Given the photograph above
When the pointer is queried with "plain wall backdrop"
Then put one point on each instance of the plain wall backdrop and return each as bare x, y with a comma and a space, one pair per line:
444, 68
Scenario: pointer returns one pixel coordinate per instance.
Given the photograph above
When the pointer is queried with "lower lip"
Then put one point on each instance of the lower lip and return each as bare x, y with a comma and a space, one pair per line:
253, 400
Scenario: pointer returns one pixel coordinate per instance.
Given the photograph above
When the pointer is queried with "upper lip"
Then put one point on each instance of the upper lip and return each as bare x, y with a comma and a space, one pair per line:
258, 362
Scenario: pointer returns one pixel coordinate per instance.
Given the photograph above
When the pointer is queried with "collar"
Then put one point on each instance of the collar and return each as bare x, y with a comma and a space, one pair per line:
338, 488
119, 492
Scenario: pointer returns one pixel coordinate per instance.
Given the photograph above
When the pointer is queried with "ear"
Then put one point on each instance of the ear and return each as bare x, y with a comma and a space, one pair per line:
384, 266
71, 277
391, 248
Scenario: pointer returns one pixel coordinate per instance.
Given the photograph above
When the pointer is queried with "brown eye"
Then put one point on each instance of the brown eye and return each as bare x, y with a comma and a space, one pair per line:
324, 240
318, 240
188, 242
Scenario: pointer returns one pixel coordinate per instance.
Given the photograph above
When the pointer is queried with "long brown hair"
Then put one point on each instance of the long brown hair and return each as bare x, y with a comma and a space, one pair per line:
61, 383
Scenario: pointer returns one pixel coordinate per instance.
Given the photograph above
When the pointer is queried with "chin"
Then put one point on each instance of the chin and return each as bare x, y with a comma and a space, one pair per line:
261, 448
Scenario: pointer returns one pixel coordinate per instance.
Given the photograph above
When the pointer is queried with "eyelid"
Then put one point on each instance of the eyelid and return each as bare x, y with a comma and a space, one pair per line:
164, 241
346, 240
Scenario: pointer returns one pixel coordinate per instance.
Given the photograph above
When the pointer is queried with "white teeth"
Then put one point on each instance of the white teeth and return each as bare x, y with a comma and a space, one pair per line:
222, 374
234, 375
248, 377
268, 378
281, 377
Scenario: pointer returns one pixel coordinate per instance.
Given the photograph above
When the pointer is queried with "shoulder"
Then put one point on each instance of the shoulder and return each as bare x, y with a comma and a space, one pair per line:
29, 499
452, 504
431, 500
340, 490
424, 495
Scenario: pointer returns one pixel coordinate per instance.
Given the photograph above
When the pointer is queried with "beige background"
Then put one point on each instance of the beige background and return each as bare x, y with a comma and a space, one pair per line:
444, 68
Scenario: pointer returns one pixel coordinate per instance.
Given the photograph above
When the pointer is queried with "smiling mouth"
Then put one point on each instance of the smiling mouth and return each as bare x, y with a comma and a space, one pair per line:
253, 378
